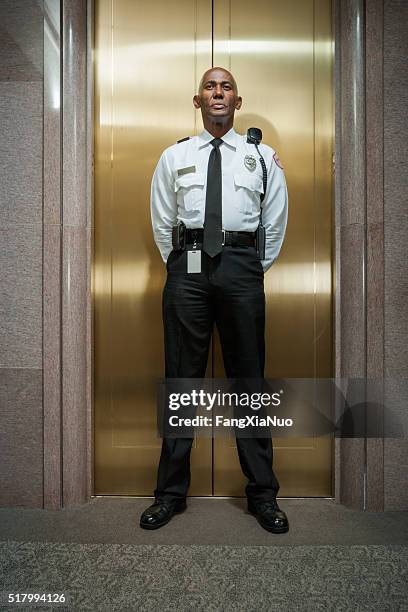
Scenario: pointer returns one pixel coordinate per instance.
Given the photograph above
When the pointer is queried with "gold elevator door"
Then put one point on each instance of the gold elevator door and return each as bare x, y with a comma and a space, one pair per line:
149, 58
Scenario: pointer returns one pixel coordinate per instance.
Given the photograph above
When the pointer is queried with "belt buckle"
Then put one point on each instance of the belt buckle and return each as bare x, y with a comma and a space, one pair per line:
223, 238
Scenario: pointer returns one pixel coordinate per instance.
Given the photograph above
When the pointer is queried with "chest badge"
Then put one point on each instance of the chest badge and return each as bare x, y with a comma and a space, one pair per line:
250, 162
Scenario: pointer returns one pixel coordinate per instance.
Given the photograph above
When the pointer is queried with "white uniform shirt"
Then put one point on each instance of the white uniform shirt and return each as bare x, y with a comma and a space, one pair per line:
178, 190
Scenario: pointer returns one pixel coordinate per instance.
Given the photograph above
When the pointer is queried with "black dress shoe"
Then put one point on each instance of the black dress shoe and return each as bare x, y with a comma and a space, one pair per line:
160, 513
269, 516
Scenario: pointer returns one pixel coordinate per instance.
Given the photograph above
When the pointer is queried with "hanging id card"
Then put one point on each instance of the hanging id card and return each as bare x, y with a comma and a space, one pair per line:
193, 262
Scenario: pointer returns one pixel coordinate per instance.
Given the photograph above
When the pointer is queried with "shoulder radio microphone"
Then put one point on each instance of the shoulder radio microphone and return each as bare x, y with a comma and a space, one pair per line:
254, 136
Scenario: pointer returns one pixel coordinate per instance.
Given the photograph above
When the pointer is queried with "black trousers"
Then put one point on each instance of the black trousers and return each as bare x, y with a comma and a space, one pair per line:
229, 292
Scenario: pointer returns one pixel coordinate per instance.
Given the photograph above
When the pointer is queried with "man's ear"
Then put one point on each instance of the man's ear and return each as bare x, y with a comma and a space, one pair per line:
197, 101
238, 103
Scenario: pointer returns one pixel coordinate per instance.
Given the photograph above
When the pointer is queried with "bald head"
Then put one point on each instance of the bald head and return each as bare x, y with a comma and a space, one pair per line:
214, 72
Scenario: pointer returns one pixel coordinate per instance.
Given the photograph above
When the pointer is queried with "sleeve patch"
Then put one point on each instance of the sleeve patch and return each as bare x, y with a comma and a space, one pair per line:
277, 161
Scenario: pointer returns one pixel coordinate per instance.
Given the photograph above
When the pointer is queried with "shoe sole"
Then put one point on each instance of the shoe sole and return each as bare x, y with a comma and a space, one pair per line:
267, 527
152, 527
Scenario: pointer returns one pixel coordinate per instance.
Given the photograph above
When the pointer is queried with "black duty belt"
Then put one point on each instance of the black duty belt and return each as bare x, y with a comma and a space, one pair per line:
228, 238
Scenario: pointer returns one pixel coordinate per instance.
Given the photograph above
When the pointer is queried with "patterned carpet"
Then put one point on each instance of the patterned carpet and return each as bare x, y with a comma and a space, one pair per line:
110, 577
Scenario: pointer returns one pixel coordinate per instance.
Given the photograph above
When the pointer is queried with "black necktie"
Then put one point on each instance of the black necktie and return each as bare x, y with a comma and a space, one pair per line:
212, 240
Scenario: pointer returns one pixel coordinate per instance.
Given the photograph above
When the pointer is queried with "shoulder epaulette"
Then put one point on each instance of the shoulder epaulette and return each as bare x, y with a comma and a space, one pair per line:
183, 139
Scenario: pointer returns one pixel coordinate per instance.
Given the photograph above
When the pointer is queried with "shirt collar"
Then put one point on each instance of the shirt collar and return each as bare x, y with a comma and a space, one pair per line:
230, 138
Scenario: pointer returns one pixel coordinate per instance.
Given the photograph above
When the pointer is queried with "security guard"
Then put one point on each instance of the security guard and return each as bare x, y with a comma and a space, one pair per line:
212, 186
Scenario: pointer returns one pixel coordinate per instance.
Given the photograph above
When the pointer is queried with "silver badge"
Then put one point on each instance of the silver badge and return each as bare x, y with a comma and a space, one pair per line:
250, 162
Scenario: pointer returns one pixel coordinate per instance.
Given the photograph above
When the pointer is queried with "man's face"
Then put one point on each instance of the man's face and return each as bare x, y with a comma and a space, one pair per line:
218, 96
